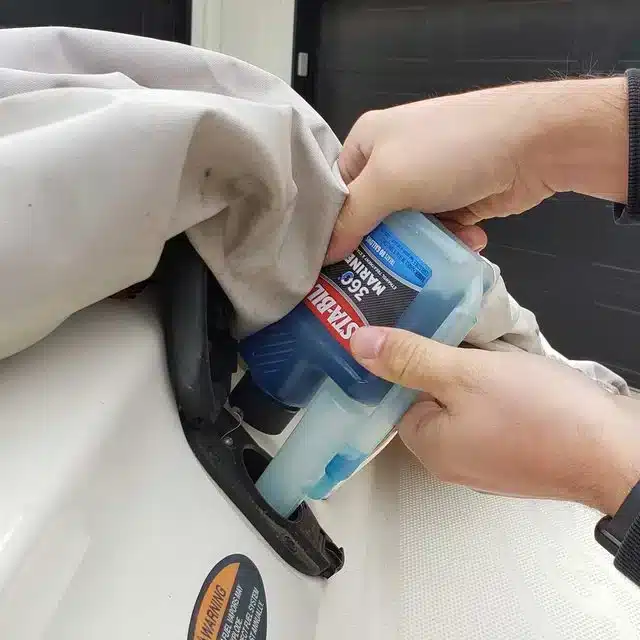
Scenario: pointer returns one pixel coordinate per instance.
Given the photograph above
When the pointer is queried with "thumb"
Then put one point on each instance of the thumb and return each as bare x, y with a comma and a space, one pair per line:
412, 361
361, 212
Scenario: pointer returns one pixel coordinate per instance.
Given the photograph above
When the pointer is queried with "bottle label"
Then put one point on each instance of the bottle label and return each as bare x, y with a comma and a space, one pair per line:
372, 286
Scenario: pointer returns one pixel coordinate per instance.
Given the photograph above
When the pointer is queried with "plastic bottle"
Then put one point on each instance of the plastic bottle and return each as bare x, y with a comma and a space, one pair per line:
409, 272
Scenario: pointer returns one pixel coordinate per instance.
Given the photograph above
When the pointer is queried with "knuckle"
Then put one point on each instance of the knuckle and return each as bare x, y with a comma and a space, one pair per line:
364, 128
405, 358
369, 119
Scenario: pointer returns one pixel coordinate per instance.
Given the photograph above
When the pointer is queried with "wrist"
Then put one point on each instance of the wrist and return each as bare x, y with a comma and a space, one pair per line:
577, 136
616, 459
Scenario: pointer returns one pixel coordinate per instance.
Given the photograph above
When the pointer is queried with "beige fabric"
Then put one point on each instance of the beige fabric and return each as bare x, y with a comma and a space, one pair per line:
105, 155
110, 144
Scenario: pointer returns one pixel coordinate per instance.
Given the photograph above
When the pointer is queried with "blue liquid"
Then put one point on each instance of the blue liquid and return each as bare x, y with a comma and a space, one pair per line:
340, 467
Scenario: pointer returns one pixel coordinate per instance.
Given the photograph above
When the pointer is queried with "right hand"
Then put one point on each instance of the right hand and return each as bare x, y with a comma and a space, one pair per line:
509, 423
483, 154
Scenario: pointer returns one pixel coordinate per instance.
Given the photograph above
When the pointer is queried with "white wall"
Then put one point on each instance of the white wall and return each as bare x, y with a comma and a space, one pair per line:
265, 40
205, 23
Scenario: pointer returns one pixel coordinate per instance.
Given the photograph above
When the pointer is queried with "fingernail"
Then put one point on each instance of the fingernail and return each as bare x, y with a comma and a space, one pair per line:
367, 343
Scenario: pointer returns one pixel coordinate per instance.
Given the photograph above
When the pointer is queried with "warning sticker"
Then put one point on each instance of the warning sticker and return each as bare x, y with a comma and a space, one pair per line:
232, 604
372, 286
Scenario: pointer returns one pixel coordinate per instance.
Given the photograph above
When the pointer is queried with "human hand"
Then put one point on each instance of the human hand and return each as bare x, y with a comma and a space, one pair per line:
509, 423
483, 154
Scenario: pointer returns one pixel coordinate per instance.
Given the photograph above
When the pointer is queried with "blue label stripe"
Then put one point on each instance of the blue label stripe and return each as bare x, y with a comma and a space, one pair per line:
396, 257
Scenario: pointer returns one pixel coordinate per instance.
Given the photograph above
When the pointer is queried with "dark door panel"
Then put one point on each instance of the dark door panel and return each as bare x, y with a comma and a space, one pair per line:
566, 261
163, 19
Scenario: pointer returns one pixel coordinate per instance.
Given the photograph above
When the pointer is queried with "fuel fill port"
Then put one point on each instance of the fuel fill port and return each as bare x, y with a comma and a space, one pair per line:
202, 356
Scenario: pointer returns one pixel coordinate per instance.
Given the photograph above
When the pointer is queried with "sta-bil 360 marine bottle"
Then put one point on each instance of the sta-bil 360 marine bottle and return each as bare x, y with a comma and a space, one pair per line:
409, 273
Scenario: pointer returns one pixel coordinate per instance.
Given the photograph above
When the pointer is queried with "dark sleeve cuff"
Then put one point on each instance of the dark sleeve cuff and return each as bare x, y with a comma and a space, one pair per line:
627, 560
630, 213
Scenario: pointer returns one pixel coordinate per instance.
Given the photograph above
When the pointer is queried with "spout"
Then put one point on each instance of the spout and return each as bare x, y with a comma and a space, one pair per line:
301, 463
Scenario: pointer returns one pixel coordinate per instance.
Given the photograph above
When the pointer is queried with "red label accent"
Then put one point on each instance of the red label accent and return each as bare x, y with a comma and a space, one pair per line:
336, 312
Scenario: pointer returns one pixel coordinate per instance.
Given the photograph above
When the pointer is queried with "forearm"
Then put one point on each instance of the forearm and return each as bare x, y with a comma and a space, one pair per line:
578, 136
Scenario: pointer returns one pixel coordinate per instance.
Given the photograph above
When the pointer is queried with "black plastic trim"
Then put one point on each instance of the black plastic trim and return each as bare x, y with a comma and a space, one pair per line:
202, 356
299, 540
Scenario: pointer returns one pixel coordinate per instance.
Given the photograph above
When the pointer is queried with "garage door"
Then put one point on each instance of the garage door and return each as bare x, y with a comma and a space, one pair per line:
568, 262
